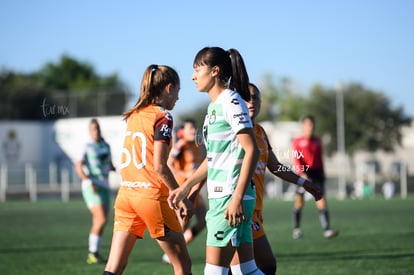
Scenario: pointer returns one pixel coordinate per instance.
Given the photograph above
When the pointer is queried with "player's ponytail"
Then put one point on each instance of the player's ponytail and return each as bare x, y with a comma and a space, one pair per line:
154, 80
240, 78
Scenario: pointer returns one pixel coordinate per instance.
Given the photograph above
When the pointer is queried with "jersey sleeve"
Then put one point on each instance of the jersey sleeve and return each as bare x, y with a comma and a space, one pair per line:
163, 127
237, 114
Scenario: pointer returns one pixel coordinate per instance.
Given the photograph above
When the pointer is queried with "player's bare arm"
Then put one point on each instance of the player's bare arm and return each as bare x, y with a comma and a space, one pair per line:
288, 175
161, 167
313, 189
234, 212
186, 208
182, 192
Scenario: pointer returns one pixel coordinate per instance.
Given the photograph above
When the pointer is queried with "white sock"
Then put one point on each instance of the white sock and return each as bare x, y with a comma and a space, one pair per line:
246, 268
210, 269
94, 243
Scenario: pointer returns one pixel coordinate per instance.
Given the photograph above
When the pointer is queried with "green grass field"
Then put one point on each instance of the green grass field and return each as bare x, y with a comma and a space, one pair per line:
376, 237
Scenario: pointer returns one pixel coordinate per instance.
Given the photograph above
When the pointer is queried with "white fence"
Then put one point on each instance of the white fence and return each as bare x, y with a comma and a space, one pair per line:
34, 182
30, 181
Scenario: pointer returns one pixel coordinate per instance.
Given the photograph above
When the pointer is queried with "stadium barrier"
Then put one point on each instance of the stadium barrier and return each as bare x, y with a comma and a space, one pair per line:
32, 182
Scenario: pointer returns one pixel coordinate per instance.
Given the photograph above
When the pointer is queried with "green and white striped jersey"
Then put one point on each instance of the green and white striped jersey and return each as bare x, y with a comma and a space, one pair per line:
225, 118
97, 159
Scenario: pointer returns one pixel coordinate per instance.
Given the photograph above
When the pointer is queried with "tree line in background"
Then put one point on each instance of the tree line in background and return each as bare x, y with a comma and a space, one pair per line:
70, 88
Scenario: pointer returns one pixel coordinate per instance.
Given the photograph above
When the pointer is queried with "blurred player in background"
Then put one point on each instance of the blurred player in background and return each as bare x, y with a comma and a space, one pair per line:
141, 202
97, 162
309, 165
186, 156
263, 254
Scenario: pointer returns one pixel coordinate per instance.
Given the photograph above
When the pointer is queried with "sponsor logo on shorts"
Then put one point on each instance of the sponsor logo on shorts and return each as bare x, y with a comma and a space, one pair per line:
255, 226
219, 235
135, 184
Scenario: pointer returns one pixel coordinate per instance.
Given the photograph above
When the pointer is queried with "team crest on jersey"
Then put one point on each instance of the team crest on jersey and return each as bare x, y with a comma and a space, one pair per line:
212, 117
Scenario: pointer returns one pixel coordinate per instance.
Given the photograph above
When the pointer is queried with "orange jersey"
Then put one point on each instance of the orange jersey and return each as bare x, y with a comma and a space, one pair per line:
151, 124
186, 158
259, 173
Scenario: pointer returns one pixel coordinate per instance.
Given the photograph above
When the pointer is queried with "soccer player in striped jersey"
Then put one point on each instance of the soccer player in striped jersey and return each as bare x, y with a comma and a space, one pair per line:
93, 168
141, 203
232, 156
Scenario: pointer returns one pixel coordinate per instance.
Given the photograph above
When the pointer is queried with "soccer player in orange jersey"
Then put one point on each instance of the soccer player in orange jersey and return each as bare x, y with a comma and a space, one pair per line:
141, 202
263, 253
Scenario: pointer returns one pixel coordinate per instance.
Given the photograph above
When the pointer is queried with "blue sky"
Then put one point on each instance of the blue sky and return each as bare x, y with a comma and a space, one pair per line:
369, 42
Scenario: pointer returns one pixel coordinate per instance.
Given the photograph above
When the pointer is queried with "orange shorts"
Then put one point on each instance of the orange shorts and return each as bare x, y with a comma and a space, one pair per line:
257, 225
135, 213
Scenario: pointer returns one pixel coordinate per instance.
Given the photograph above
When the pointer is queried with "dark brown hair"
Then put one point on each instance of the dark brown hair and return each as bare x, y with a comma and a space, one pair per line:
98, 127
231, 66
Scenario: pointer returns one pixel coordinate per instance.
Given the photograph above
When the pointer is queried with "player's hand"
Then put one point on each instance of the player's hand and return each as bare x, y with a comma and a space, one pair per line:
259, 214
176, 196
179, 145
235, 213
185, 212
314, 189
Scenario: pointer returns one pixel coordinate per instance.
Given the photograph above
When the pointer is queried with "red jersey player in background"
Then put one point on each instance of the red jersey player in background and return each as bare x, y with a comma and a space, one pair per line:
308, 164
